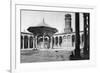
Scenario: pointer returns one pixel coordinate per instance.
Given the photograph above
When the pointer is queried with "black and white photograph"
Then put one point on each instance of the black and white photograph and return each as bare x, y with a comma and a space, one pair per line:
48, 36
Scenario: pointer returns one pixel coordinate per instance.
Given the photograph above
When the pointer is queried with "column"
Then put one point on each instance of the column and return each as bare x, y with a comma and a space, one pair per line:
62, 41
28, 42
81, 41
43, 41
58, 41
71, 41
23, 42
86, 33
36, 42
51, 43
54, 42
77, 31
33, 42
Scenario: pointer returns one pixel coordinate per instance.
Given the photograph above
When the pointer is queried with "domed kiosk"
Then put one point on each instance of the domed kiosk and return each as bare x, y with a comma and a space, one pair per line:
43, 35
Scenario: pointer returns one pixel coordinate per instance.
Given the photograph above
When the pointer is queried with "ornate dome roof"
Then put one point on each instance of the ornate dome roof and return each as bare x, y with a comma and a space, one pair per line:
42, 28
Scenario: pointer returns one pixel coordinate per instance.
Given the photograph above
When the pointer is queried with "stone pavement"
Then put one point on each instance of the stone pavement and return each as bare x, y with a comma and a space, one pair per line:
45, 56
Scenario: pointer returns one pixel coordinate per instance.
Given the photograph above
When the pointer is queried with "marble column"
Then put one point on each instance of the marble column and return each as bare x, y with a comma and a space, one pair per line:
51, 43
58, 41
36, 42
43, 42
28, 42
33, 42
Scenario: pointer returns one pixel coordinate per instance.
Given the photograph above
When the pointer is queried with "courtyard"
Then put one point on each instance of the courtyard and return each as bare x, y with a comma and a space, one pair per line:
45, 56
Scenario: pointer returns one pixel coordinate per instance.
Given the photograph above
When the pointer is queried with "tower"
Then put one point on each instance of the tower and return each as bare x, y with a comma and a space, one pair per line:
67, 28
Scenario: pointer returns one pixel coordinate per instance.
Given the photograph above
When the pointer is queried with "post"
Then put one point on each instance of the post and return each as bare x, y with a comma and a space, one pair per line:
58, 41
23, 42
43, 42
36, 42
28, 42
51, 43
77, 31
54, 42
33, 42
86, 33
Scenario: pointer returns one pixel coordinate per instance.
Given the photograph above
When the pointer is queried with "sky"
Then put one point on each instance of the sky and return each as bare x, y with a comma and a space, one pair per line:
52, 19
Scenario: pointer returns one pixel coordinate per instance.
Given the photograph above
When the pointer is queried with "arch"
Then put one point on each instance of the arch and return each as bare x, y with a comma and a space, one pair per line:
43, 41
47, 41
25, 42
47, 38
68, 36
39, 39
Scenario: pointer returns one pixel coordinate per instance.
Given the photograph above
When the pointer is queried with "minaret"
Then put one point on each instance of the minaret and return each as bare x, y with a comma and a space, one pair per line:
67, 28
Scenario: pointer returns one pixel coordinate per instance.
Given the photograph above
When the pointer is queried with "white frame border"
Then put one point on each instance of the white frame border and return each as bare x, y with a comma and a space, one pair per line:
16, 67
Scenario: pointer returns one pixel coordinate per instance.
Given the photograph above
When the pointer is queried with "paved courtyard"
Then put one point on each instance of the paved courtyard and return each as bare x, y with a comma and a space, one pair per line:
44, 56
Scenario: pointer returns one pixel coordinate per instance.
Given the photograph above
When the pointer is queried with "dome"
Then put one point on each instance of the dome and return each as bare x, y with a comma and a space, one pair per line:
42, 28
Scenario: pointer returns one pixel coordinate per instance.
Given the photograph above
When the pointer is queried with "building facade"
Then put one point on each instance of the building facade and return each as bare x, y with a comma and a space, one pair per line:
60, 41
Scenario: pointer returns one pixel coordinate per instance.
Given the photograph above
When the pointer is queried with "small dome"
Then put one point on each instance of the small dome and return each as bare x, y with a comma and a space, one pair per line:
68, 15
42, 28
